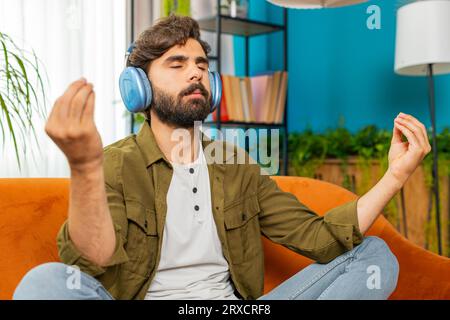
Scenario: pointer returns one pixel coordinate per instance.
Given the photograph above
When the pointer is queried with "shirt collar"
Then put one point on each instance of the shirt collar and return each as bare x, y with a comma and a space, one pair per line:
147, 143
152, 153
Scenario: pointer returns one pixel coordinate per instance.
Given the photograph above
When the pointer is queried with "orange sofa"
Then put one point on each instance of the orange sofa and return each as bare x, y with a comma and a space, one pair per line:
32, 210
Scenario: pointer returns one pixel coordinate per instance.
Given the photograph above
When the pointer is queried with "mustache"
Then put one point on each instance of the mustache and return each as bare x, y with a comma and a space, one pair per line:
192, 88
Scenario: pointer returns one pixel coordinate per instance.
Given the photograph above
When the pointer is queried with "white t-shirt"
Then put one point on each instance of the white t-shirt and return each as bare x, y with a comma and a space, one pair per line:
192, 265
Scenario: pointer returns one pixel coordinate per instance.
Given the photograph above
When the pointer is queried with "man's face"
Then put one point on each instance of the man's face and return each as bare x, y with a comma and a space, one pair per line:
180, 84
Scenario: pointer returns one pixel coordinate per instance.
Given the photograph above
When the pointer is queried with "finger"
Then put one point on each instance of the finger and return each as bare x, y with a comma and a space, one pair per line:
417, 132
412, 139
79, 101
396, 135
66, 98
56, 113
419, 124
88, 110
74, 86
425, 132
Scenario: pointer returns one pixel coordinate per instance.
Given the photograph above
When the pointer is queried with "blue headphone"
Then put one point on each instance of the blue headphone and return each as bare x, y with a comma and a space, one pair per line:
136, 90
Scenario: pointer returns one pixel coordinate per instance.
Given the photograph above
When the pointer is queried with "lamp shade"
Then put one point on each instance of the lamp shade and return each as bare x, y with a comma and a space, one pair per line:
314, 4
423, 37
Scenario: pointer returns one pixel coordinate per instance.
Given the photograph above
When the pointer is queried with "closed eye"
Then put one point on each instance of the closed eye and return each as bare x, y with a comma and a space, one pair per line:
176, 67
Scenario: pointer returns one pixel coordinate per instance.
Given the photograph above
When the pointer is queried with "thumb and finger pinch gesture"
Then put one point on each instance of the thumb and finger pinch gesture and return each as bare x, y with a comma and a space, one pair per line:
405, 156
71, 126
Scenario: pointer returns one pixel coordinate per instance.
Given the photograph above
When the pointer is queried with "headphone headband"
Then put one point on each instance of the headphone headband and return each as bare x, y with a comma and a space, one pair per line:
128, 53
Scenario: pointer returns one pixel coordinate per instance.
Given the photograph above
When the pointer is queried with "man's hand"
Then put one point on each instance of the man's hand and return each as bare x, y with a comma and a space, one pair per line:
405, 157
71, 126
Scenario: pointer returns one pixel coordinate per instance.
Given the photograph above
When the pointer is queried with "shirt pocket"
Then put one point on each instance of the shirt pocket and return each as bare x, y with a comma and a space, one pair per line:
242, 229
142, 238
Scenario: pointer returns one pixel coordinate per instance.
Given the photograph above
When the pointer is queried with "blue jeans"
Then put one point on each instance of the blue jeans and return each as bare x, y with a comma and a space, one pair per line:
368, 271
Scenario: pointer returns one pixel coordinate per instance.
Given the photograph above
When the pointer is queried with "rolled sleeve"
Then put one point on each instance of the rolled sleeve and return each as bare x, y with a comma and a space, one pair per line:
343, 224
287, 221
70, 255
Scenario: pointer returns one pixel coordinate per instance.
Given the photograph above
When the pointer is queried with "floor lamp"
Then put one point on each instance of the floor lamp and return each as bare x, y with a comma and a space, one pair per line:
423, 49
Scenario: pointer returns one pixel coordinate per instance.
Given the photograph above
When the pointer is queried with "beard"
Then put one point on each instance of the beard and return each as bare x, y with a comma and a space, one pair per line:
181, 112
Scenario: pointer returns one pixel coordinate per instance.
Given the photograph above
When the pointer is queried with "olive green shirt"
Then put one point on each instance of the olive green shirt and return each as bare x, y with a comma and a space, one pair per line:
246, 204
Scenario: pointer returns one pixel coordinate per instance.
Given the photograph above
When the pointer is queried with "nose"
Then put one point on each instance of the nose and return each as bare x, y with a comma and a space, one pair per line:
195, 74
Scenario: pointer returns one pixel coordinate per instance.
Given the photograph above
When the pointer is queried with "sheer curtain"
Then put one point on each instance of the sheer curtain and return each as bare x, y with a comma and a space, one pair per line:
75, 38
72, 38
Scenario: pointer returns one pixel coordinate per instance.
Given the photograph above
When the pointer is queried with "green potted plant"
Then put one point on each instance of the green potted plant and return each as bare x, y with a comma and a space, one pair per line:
22, 94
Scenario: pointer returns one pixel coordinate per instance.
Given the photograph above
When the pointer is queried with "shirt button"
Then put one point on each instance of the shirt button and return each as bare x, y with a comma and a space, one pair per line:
194, 190
196, 208
191, 170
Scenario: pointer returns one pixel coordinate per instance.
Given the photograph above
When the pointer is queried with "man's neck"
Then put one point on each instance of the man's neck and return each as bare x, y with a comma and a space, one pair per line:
176, 144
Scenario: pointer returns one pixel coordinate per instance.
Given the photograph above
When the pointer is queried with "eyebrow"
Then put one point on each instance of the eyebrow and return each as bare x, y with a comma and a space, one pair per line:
181, 58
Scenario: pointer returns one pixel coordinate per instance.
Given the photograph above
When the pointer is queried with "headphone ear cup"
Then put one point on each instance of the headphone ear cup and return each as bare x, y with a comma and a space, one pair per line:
216, 89
135, 89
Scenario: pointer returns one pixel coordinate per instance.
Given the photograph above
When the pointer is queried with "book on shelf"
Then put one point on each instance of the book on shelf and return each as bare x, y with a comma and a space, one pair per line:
260, 98
223, 107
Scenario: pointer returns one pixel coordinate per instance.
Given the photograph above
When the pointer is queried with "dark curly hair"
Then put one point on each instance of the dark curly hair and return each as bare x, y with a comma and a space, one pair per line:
153, 42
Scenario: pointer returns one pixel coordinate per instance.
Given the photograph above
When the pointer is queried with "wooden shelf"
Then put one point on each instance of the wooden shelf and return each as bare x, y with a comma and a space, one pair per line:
239, 26
224, 24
